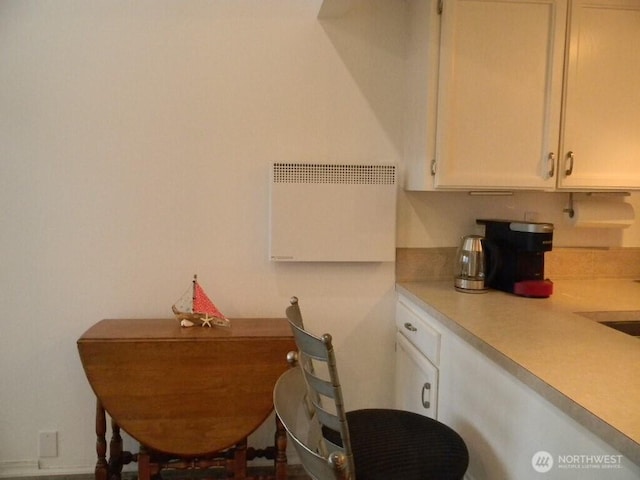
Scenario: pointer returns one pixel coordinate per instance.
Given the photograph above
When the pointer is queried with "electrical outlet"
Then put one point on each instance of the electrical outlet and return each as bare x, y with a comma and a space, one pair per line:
48, 444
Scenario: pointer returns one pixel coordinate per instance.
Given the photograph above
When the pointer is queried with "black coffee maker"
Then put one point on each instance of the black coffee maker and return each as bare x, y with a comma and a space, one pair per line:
515, 251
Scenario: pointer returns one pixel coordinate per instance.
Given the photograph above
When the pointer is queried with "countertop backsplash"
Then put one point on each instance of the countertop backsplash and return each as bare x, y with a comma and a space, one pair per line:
418, 264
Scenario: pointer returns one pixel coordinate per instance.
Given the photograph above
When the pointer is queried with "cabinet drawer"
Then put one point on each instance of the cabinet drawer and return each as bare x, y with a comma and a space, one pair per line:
414, 327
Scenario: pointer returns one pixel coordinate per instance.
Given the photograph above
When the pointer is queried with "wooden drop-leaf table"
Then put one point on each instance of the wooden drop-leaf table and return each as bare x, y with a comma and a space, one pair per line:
190, 396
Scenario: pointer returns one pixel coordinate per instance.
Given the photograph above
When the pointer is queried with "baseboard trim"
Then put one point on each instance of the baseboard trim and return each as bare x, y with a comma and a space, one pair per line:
11, 469
31, 470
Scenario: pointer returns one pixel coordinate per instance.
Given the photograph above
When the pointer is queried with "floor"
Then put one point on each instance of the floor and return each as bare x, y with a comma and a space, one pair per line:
296, 472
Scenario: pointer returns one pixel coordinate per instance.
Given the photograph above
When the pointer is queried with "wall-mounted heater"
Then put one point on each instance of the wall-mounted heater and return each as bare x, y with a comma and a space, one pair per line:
332, 213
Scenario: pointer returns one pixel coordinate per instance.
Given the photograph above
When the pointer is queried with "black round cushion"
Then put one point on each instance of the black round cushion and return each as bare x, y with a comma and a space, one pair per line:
394, 444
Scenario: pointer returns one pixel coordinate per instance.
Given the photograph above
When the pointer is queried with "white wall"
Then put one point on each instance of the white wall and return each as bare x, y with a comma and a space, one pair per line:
135, 142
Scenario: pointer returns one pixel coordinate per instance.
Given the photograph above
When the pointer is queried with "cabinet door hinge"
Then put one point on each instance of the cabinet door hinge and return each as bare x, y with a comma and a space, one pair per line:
440, 6
433, 167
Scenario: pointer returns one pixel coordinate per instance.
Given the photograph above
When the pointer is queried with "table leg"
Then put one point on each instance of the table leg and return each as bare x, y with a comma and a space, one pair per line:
102, 469
240, 460
115, 452
144, 464
281, 450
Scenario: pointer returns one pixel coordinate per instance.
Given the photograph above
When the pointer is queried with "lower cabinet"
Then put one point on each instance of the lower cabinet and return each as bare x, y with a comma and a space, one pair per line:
416, 380
511, 431
417, 359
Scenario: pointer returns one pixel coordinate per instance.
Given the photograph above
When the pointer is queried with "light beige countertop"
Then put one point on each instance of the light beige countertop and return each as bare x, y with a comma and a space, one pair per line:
589, 371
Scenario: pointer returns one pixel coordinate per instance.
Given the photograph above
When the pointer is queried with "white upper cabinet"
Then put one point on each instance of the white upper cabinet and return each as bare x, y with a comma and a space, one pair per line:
498, 113
499, 96
601, 137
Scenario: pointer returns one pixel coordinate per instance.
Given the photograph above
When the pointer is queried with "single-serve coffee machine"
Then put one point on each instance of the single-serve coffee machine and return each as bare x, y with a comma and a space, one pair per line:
515, 251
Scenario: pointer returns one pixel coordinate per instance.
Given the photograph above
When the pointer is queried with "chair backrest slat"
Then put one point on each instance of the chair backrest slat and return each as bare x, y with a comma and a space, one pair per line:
311, 345
323, 387
328, 419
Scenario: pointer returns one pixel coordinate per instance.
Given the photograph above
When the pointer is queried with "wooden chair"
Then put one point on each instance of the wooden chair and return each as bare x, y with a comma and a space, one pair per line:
367, 444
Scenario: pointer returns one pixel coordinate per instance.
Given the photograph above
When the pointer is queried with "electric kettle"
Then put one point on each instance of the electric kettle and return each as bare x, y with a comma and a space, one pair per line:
470, 267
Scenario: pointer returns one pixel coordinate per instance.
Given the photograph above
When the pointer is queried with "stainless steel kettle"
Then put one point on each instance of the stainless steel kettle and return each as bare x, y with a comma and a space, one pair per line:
470, 269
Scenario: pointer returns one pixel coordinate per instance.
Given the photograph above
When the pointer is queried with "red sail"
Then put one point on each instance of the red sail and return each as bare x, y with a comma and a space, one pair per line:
202, 304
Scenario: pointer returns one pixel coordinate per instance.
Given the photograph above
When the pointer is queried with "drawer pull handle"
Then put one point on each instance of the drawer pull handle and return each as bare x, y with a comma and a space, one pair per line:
426, 388
410, 327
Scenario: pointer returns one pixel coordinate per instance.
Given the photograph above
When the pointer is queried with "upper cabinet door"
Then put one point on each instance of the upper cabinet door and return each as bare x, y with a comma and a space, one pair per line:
499, 93
423, 50
601, 138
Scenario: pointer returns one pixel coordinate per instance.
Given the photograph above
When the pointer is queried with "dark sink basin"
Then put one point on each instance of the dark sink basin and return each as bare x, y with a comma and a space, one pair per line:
626, 321
630, 327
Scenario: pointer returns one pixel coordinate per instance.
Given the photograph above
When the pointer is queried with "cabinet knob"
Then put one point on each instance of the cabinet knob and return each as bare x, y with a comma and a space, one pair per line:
410, 327
569, 169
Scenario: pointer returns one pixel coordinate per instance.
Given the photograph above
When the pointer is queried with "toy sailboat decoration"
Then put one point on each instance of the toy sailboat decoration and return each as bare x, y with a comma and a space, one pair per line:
194, 307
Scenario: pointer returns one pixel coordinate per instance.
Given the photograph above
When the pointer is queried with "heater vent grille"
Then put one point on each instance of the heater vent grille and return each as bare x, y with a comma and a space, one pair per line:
334, 173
